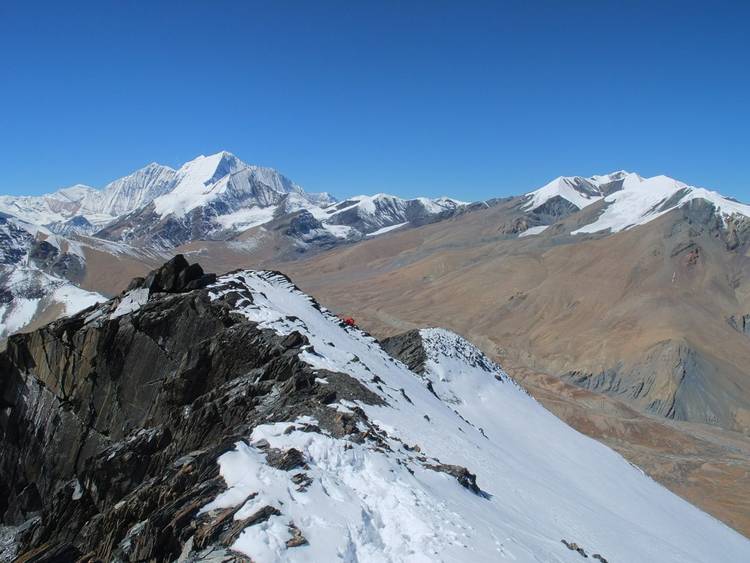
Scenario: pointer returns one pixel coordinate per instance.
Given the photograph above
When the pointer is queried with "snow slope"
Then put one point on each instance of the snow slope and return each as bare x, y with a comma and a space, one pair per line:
134, 190
541, 481
643, 200
629, 199
224, 177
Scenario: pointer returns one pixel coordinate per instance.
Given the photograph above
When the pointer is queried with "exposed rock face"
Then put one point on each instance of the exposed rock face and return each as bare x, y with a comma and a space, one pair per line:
407, 347
553, 210
112, 422
686, 395
701, 216
176, 276
13, 241
50, 259
304, 227
740, 323
369, 214
75, 225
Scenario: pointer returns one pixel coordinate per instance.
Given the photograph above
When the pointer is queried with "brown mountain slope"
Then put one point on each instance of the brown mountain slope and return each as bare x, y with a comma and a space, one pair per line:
640, 315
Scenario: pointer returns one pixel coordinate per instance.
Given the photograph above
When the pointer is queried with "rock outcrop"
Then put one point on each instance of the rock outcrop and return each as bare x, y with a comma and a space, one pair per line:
112, 422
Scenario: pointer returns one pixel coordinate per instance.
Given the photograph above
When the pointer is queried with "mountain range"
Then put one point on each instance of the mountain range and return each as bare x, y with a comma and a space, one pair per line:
147, 214
620, 302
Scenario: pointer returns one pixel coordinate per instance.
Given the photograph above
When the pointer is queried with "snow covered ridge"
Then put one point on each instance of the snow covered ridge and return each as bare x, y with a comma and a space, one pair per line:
628, 199
382, 213
454, 464
642, 200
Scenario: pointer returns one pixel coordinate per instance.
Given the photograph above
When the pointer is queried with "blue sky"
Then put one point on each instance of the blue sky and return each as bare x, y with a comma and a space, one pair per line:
469, 99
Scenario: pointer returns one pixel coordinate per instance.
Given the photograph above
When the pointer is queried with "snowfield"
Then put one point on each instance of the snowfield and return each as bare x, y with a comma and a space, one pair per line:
643, 200
636, 201
33, 291
540, 483
533, 231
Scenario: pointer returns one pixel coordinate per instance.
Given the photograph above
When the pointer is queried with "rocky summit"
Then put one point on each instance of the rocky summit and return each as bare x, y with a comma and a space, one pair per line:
232, 418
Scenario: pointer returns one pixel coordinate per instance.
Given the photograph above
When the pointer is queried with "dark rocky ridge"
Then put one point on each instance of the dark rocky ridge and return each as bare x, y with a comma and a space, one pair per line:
407, 347
112, 425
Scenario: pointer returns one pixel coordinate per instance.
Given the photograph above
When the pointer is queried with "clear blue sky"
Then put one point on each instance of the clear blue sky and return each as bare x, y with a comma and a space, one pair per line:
470, 99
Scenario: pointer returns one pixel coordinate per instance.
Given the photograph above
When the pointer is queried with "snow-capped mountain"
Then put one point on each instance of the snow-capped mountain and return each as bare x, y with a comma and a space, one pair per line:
277, 431
374, 215
626, 200
214, 197
577, 191
56, 207
641, 200
134, 190
35, 267
83, 209
219, 196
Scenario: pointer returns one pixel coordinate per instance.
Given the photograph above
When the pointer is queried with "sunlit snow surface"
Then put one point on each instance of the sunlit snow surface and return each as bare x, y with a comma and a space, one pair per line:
533, 231
542, 481
387, 229
639, 200
33, 290
564, 188
643, 200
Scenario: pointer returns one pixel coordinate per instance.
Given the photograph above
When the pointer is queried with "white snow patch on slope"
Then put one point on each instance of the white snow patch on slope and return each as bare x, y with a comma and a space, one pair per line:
543, 481
387, 229
130, 302
75, 299
17, 314
247, 218
339, 231
34, 291
533, 231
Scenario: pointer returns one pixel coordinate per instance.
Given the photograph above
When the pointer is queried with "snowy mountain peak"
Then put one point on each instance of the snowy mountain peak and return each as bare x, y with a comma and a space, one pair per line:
212, 167
207, 179
644, 199
600, 179
577, 190
628, 199
134, 190
215, 196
